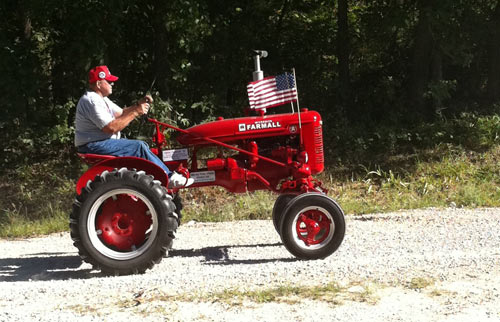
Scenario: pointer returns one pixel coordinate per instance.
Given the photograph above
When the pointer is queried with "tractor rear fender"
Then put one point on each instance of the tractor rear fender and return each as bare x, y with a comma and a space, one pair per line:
122, 162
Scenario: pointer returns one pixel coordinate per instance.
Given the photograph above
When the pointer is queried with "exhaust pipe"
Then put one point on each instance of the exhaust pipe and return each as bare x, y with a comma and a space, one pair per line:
258, 74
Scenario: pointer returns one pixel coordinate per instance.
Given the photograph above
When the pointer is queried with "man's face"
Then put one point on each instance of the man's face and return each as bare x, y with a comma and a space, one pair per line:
105, 87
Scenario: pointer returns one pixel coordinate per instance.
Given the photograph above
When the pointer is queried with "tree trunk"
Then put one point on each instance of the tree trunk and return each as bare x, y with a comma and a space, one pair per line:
161, 47
26, 29
343, 50
436, 65
422, 59
493, 87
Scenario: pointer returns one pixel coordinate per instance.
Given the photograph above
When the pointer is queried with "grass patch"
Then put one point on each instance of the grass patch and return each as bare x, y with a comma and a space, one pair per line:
156, 301
20, 226
419, 283
282, 294
215, 204
442, 293
36, 199
445, 177
330, 293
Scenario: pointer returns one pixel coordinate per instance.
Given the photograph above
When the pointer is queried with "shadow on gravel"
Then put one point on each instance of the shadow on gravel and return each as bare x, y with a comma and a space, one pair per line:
43, 267
62, 266
220, 255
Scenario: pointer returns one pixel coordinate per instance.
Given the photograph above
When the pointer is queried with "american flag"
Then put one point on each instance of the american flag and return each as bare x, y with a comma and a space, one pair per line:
272, 91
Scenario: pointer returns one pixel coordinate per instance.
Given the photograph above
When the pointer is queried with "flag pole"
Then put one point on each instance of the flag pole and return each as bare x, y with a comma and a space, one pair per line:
290, 86
298, 107
291, 102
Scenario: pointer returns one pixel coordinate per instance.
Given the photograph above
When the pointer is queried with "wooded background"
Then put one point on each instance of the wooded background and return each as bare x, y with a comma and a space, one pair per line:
364, 65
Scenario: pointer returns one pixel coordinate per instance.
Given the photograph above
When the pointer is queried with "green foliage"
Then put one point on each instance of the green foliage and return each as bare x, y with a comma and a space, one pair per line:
355, 145
194, 55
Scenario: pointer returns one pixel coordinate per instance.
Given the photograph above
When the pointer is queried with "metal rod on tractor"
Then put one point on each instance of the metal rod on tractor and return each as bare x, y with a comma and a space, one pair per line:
218, 142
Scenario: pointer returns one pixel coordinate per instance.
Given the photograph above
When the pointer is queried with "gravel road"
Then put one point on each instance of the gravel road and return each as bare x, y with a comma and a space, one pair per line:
423, 265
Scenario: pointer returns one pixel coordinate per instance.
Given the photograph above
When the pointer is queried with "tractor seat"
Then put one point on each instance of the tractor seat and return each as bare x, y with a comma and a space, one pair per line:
90, 158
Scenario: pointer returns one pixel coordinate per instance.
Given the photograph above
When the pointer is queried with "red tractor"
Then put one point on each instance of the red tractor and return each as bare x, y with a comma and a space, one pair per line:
124, 217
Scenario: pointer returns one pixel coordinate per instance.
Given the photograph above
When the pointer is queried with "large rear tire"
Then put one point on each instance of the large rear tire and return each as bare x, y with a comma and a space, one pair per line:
312, 226
123, 222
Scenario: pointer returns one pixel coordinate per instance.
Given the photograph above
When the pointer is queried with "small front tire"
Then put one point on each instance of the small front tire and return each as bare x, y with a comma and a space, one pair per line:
312, 226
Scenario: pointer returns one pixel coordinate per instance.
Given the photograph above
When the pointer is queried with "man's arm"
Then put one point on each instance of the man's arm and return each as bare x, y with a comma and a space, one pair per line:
128, 115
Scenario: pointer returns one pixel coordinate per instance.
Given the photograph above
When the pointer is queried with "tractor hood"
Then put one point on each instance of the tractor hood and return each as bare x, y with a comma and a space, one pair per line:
252, 127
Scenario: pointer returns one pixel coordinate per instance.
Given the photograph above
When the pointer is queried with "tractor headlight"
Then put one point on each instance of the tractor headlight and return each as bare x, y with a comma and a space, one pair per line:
303, 157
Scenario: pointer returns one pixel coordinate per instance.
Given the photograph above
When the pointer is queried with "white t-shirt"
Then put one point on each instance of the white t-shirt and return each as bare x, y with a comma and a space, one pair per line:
94, 112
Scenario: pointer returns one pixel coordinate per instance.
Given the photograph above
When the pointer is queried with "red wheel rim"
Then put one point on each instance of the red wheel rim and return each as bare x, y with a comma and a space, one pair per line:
313, 227
123, 222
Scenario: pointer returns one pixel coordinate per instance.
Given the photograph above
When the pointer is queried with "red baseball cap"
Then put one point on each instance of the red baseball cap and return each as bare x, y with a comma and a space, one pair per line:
101, 72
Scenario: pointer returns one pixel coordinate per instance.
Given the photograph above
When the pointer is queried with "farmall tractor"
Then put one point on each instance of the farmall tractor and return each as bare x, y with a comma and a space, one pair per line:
125, 217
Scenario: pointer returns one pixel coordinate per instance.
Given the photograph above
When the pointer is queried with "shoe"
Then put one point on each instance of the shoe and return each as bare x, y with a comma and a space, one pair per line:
177, 180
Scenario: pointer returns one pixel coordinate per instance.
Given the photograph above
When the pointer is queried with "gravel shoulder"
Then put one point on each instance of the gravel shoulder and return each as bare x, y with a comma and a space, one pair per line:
422, 265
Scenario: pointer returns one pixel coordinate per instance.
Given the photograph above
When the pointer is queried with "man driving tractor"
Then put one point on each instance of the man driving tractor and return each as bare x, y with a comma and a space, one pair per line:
98, 122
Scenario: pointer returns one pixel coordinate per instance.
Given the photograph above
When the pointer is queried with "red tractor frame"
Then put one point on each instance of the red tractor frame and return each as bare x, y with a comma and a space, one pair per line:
124, 217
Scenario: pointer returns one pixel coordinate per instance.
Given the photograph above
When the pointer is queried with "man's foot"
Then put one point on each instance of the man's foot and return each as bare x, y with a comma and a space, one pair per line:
177, 180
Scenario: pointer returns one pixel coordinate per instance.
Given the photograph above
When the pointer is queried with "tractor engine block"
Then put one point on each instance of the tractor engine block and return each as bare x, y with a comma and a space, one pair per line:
275, 137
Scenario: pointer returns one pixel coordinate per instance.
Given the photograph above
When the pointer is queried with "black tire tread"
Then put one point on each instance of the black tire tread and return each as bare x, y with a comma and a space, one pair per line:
129, 176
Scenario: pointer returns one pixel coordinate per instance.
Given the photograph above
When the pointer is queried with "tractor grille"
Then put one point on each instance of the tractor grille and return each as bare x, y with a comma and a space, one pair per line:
318, 144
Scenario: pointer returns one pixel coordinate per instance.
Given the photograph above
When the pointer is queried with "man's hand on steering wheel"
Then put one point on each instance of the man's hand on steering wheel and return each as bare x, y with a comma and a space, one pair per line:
143, 105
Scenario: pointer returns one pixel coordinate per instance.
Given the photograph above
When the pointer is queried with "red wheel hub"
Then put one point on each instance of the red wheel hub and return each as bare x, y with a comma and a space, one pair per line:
123, 222
313, 227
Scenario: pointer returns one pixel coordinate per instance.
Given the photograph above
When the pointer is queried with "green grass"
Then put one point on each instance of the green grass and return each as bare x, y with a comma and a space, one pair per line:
36, 199
20, 226
156, 301
215, 204
443, 177
419, 283
330, 293
456, 178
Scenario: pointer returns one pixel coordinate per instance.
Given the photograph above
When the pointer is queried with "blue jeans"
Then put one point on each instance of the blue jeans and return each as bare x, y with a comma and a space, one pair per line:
124, 148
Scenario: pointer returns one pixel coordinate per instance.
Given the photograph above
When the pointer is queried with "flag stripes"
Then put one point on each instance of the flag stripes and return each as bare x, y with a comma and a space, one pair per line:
272, 91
